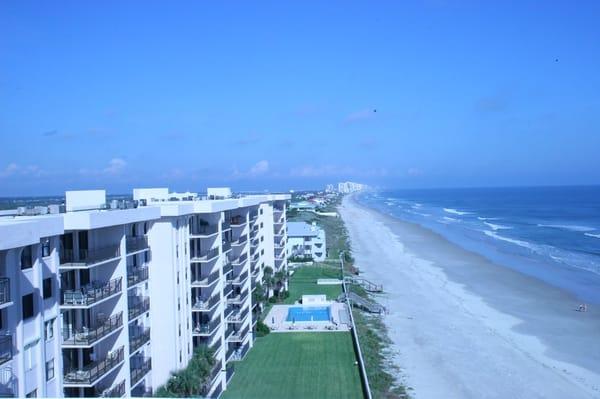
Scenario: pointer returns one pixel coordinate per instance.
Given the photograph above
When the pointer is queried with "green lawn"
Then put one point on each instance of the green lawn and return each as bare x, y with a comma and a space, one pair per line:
298, 365
304, 282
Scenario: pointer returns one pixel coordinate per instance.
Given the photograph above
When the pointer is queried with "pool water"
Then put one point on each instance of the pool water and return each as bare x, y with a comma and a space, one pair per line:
313, 313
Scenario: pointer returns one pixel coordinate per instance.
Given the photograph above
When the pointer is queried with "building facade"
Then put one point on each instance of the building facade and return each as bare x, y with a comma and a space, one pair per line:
306, 241
108, 301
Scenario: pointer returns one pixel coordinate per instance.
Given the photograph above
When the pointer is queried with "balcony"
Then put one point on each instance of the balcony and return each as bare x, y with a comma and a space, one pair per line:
137, 339
136, 244
116, 391
227, 290
238, 280
137, 306
240, 260
139, 368
238, 299
229, 372
214, 373
205, 281
6, 348
238, 336
238, 316
207, 329
4, 291
228, 268
203, 231
238, 221
88, 257
91, 293
226, 246
136, 276
226, 225
202, 305
239, 353
92, 372
88, 336
240, 241
206, 256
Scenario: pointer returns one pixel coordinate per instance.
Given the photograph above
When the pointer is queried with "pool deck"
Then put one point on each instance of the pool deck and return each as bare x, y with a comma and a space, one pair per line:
276, 319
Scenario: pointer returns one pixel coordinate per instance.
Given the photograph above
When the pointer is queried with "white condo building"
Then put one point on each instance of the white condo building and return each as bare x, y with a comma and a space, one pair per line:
350, 187
306, 241
108, 301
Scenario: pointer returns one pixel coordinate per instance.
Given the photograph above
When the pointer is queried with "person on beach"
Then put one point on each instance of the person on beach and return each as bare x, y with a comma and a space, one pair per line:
582, 308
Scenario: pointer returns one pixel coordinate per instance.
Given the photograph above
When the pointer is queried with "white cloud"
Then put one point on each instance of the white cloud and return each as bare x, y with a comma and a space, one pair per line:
115, 166
13, 169
259, 168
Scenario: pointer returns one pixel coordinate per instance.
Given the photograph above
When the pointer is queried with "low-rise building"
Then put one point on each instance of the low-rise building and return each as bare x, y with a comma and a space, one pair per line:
306, 241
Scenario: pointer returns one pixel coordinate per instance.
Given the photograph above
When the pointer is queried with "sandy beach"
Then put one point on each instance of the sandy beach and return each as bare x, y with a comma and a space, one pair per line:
464, 327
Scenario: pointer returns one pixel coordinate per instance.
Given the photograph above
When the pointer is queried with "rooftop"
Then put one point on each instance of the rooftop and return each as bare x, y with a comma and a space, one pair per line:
301, 229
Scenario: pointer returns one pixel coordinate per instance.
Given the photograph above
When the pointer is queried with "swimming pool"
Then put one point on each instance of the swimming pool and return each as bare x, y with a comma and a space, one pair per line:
312, 313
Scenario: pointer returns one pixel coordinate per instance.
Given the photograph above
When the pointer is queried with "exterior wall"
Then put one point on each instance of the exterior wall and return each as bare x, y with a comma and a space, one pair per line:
130, 290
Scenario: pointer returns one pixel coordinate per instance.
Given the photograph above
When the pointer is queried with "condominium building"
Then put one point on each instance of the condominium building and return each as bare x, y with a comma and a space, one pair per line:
306, 241
350, 187
109, 300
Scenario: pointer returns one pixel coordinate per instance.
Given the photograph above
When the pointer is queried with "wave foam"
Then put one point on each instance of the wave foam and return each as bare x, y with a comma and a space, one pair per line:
568, 227
482, 218
592, 235
456, 212
520, 243
497, 226
451, 219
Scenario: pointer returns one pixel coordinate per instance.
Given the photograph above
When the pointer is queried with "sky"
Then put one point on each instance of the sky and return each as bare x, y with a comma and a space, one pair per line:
293, 95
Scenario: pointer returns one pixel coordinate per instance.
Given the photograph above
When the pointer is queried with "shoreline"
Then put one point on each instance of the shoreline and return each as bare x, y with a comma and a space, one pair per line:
467, 326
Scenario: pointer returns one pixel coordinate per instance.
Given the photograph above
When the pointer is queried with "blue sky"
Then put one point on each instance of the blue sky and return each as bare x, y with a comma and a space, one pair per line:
297, 94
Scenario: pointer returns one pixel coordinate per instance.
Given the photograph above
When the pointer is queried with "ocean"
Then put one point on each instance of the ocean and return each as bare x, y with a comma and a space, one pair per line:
549, 233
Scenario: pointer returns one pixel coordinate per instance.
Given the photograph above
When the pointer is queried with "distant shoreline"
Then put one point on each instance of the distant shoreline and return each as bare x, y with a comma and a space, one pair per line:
464, 326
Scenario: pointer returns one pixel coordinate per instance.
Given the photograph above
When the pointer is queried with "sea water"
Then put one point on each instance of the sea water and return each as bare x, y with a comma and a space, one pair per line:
550, 233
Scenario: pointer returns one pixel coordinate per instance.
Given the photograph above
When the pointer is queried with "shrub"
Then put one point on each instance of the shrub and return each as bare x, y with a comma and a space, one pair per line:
261, 329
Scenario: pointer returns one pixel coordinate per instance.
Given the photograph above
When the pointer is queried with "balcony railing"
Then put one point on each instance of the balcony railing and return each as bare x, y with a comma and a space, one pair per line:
238, 280
116, 391
139, 370
237, 316
211, 379
138, 339
240, 241
86, 336
226, 225
229, 372
206, 280
88, 257
240, 260
137, 275
238, 336
137, 306
240, 353
226, 246
135, 244
90, 373
4, 290
204, 305
205, 256
6, 348
204, 230
91, 293
238, 299
207, 328
238, 221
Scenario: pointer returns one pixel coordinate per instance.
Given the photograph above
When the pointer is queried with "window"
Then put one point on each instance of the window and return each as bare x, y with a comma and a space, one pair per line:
30, 356
180, 330
178, 304
145, 228
180, 360
49, 330
262, 251
261, 225
177, 277
46, 247
47, 288
262, 238
26, 262
261, 211
28, 310
49, 370
177, 251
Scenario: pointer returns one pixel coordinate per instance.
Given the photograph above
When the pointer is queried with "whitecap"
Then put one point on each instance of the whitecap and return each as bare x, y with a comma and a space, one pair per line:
497, 226
592, 235
520, 243
482, 218
456, 212
451, 219
568, 227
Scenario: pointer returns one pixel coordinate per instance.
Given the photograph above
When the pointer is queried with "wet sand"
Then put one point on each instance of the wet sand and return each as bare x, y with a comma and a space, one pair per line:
464, 327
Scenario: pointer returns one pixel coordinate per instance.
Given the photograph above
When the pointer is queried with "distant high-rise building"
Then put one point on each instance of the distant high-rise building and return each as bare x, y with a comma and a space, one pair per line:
350, 187
330, 188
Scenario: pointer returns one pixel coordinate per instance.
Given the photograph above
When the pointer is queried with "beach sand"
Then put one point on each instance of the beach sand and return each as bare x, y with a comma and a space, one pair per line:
464, 327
